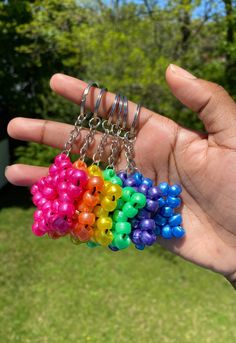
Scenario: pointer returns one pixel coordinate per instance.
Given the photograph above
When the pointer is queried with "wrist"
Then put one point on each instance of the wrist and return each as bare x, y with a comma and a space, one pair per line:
232, 279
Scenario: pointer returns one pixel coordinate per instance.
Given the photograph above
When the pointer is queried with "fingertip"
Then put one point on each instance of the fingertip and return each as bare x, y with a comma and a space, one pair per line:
55, 80
12, 125
24, 175
11, 173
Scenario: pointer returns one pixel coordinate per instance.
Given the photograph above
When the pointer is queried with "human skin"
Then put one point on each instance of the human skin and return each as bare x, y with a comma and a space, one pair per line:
203, 163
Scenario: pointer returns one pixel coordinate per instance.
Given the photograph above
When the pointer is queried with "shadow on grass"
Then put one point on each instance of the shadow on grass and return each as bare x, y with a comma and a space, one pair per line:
12, 196
163, 253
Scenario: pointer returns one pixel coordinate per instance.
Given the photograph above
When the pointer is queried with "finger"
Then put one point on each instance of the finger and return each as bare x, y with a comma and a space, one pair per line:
52, 133
215, 107
72, 89
24, 175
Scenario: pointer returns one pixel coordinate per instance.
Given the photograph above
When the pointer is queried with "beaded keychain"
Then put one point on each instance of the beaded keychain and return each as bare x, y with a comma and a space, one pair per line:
105, 208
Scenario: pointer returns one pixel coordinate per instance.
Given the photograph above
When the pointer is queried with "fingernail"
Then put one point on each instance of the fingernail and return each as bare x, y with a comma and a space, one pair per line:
181, 72
6, 169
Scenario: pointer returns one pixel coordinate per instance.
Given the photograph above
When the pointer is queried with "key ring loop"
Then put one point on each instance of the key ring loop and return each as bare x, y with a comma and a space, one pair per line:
84, 97
98, 102
113, 109
133, 129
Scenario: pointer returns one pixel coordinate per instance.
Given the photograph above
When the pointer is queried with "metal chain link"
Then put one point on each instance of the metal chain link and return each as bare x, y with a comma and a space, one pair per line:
89, 138
97, 156
93, 125
116, 132
129, 140
129, 153
78, 125
107, 128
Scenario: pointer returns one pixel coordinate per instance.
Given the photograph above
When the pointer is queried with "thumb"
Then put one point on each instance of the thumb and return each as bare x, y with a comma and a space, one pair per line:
213, 104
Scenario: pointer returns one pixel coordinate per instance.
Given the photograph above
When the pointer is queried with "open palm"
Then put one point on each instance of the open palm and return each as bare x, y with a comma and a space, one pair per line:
204, 164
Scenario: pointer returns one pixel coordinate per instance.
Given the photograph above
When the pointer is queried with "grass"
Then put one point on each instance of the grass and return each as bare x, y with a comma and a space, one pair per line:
54, 291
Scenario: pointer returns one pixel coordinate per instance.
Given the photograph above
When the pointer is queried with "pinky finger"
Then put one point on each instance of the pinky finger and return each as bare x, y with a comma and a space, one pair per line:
24, 175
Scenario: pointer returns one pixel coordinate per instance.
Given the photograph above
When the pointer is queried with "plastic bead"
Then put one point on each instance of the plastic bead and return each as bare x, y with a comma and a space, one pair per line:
140, 246
161, 202
175, 220
84, 233
90, 199
166, 232
151, 205
104, 223
138, 200
147, 181
86, 218
130, 182
36, 230
167, 211
116, 181
74, 191
91, 244
123, 176
164, 188
111, 247
34, 189
108, 174
136, 236
173, 201
119, 216
159, 220
154, 193
108, 205
103, 237
138, 178
127, 192
144, 214
114, 191
129, 210
94, 170
148, 238
99, 211
135, 223
66, 209
147, 224
143, 189
121, 241
178, 231
175, 190
124, 228
78, 177
81, 165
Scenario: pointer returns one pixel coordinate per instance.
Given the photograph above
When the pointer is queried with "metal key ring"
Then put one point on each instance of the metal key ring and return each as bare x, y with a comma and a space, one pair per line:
113, 108
98, 102
125, 113
133, 128
84, 96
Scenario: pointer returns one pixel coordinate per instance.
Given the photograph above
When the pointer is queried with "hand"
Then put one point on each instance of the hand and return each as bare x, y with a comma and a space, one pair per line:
204, 164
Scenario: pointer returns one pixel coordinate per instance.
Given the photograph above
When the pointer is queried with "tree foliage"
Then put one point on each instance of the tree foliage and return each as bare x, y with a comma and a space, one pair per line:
125, 45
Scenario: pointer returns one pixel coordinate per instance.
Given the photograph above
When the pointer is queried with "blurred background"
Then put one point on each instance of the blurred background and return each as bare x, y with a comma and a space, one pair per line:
53, 291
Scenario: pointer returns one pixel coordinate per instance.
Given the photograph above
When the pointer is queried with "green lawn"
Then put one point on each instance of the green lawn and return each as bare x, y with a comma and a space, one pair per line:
54, 291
